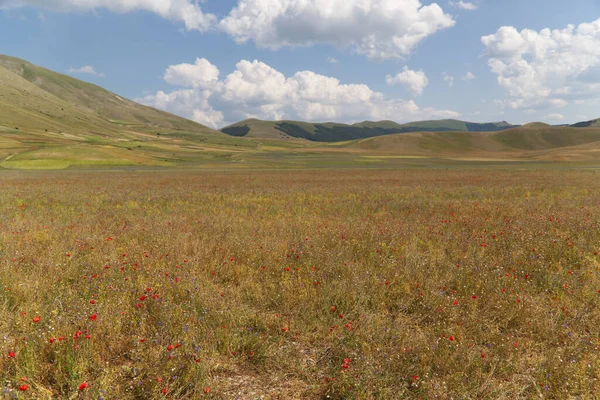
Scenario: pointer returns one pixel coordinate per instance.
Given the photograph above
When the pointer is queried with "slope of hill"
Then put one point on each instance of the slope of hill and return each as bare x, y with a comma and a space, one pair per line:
334, 132
52, 120
33, 87
594, 123
532, 141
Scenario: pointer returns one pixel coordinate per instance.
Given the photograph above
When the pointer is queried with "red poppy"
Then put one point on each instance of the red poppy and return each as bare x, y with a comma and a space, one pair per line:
284, 329
206, 390
36, 319
451, 338
83, 386
23, 388
170, 347
93, 317
11, 354
92, 301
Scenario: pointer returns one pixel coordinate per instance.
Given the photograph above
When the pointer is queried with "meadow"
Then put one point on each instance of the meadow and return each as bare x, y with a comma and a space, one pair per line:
347, 284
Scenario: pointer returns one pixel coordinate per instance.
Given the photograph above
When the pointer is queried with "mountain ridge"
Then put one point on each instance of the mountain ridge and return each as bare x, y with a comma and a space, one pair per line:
338, 132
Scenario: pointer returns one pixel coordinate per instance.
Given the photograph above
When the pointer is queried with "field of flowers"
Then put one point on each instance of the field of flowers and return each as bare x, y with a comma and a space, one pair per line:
300, 285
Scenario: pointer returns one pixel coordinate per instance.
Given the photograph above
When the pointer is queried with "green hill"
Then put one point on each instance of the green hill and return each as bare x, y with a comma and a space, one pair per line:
50, 120
532, 141
594, 123
335, 132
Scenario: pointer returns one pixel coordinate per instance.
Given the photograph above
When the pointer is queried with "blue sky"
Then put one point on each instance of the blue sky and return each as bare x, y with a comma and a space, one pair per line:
402, 60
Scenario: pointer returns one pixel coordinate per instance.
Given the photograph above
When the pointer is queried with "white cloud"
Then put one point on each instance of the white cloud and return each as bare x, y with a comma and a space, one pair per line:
379, 29
256, 90
186, 11
554, 116
546, 68
448, 78
464, 5
332, 60
414, 81
468, 77
202, 74
85, 70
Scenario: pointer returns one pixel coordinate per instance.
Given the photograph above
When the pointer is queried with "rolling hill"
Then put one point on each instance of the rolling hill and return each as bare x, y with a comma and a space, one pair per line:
335, 132
50, 120
594, 123
536, 141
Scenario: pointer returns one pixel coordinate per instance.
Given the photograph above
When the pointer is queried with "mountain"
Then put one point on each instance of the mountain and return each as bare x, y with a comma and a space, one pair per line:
37, 98
335, 132
594, 123
84, 124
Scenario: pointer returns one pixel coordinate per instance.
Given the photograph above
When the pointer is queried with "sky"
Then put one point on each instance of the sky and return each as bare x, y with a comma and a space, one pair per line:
221, 61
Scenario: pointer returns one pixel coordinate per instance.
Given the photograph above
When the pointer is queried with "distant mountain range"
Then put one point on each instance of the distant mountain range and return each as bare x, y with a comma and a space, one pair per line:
336, 132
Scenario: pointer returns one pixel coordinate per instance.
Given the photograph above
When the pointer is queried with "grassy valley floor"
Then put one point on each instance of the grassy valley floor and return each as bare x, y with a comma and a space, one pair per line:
357, 284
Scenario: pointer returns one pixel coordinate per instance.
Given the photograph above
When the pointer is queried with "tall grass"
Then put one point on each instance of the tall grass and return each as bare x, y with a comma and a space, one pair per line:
347, 285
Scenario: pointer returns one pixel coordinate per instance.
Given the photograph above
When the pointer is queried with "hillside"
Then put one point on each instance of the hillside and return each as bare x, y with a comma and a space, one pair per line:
594, 123
529, 142
335, 132
50, 120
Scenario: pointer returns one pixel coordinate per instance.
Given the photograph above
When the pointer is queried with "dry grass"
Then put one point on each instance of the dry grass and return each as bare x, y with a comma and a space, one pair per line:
431, 284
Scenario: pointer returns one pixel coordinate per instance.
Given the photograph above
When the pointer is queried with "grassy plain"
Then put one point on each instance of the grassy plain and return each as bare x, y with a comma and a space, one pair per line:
357, 284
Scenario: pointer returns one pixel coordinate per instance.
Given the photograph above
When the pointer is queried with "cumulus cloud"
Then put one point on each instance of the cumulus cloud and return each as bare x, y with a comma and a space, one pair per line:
464, 5
332, 60
555, 116
448, 78
546, 68
88, 69
201, 74
256, 90
379, 29
186, 11
414, 81
468, 76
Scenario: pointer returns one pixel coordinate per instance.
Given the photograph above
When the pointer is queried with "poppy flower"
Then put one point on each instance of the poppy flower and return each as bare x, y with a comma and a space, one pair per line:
83, 386
451, 338
284, 329
36, 319
11, 354
93, 317
92, 301
170, 347
206, 390
23, 388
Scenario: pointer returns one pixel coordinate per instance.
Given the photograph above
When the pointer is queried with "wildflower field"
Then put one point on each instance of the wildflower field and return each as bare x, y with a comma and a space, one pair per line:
341, 284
